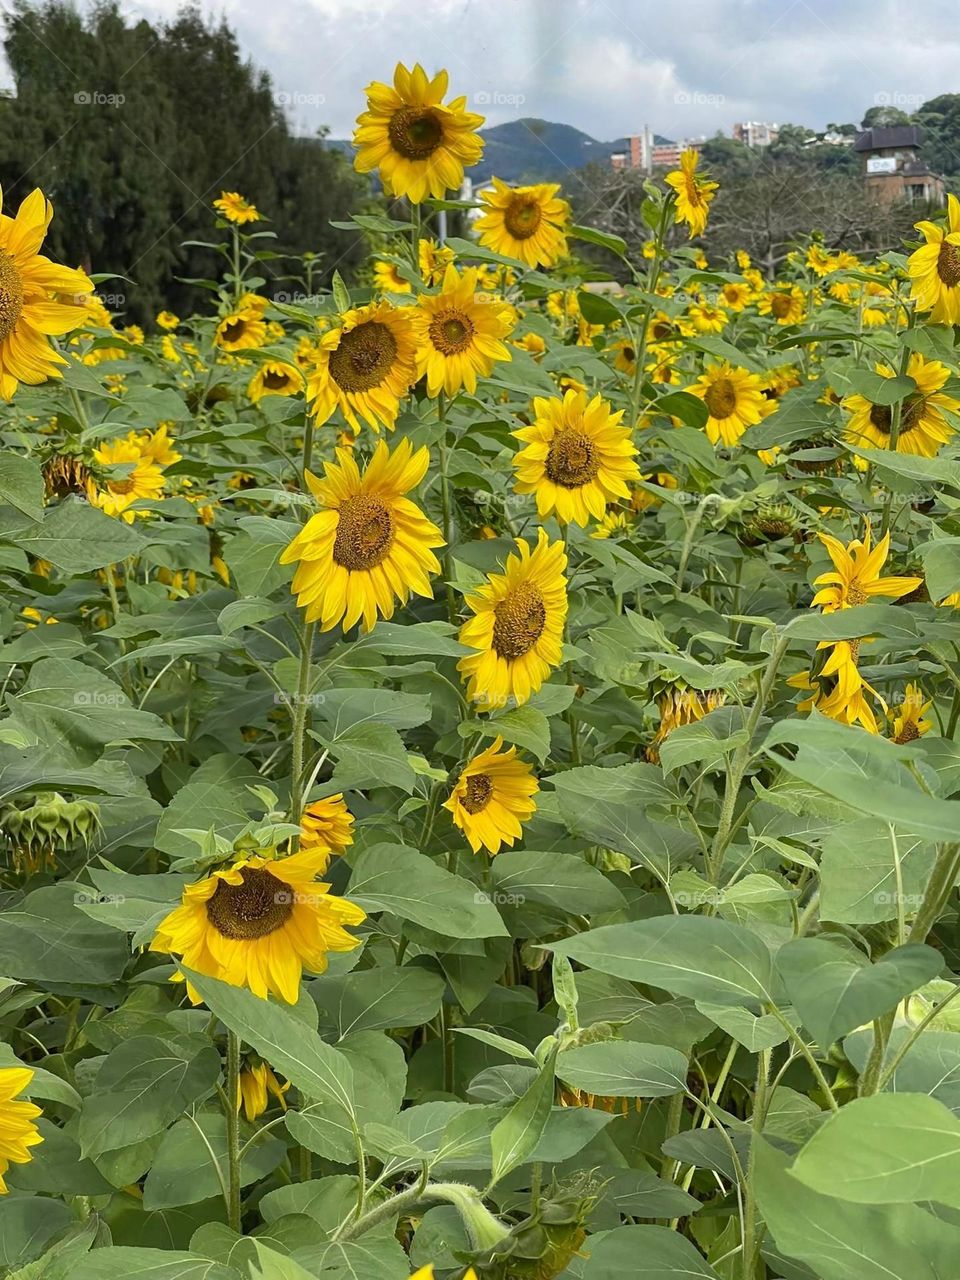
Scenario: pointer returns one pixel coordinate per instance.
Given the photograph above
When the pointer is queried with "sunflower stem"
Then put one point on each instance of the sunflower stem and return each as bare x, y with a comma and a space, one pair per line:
896, 417
447, 508
301, 708
233, 1131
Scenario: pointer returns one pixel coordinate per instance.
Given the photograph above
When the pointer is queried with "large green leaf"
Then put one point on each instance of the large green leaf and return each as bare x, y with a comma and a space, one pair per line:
624, 1069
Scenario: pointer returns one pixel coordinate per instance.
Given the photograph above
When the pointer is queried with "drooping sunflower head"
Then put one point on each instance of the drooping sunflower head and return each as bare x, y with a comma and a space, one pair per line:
922, 427
934, 268
369, 546
694, 193
18, 1133
680, 704
577, 457
517, 628
275, 378
734, 399
855, 577
419, 145
365, 367
236, 209
908, 720
492, 798
527, 223
459, 334
257, 1082
259, 923
326, 826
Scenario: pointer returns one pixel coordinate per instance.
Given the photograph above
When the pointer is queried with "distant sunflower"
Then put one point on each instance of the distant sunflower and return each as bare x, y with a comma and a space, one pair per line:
693, 193
934, 268
459, 334
419, 146
734, 399
241, 330
275, 378
133, 475
17, 1131
167, 320
787, 304
492, 798
528, 223
365, 367
923, 427
236, 209
387, 278
577, 457
258, 924
735, 294
909, 721
855, 577
518, 626
37, 298
326, 826
707, 318
369, 546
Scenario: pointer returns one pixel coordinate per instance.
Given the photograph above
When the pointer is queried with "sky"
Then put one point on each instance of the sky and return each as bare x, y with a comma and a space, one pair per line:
685, 67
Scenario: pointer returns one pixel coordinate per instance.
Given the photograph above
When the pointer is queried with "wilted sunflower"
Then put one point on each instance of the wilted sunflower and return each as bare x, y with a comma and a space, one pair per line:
256, 1082
241, 330
365, 367
275, 378
528, 223
855, 577
420, 146
459, 335
908, 721
934, 268
17, 1130
326, 826
370, 546
923, 428
258, 924
137, 476
734, 399
37, 298
786, 304
577, 457
235, 208
693, 193
679, 704
518, 627
492, 798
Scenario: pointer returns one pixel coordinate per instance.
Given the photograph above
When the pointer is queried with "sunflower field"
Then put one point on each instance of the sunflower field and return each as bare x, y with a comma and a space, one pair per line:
480, 779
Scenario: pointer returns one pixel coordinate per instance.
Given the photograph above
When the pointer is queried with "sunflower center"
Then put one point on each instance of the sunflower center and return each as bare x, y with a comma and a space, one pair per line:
572, 460
364, 534
948, 264
273, 381
415, 132
519, 620
881, 415
522, 217
451, 332
479, 791
629, 354
364, 357
780, 305
662, 330
909, 733
721, 398
234, 330
11, 295
259, 905
855, 595
122, 486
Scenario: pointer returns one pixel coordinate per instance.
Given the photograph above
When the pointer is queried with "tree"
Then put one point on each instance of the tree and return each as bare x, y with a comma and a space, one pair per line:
940, 120
884, 117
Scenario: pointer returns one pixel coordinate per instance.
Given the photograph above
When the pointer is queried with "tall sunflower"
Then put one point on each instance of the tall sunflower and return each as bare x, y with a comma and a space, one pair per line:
934, 268
492, 798
38, 299
693, 192
923, 428
258, 924
734, 399
578, 457
369, 546
527, 223
419, 146
236, 208
459, 335
17, 1131
326, 826
518, 626
365, 367
855, 577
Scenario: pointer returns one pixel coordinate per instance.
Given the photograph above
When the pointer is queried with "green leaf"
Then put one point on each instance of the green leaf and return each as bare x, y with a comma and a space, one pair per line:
78, 538
122, 1263
517, 1134
655, 1252
48, 939
378, 999
602, 239
185, 1168
624, 1069
370, 755
21, 484
526, 727
560, 880
872, 871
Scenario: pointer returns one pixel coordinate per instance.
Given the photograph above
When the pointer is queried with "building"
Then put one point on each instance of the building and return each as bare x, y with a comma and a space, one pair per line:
893, 168
756, 133
642, 152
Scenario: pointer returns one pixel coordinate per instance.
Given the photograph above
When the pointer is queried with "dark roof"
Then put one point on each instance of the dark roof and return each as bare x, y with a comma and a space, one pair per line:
917, 169
898, 135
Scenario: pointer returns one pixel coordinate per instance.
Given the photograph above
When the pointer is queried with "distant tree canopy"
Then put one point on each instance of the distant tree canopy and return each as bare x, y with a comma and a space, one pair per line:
133, 129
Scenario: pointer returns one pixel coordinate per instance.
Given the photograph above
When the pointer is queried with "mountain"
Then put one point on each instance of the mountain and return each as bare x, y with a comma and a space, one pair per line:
532, 150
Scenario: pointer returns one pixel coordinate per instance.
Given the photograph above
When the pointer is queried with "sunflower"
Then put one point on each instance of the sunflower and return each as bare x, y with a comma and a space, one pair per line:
923, 428
258, 924
156, 446
17, 1130
37, 298
387, 278
679, 704
527, 223
167, 320
459, 334
614, 523
908, 722
734, 399
708, 318
365, 367
241, 330
839, 690
626, 356
786, 305
820, 261
370, 545
934, 268
532, 343
275, 378
236, 209
138, 476
419, 146
433, 260
735, 294
855, 577
256, 1082
577, 457
326, 826
492, 798
518, 626
693, 193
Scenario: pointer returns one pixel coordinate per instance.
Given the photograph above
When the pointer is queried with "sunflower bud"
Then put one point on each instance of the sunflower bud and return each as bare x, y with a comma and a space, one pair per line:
543, 1245
35, 829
